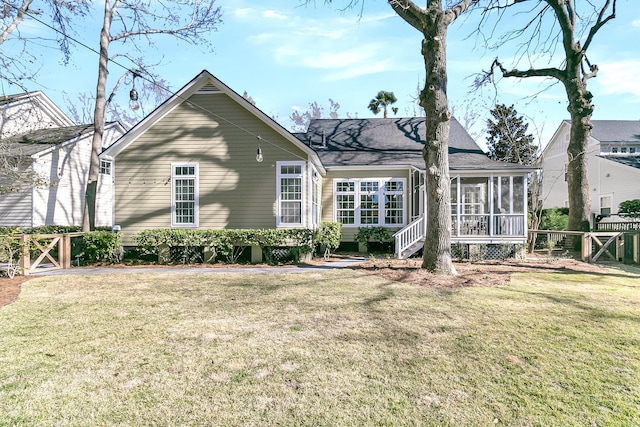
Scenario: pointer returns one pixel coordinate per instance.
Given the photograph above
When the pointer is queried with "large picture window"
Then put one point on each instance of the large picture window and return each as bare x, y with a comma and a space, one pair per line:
290, 193
370, 202
184, 194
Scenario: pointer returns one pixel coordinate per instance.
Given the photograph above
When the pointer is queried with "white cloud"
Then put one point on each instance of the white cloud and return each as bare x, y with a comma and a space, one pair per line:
244, 12
272, 14
620, 77
338, 47
636, 23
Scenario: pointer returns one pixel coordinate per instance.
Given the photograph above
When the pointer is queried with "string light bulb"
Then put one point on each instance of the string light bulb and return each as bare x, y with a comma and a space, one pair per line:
259, 157
133, 94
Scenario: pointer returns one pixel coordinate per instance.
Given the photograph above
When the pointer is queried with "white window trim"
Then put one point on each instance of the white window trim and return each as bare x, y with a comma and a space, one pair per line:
303, 201
381, 211
315, 188
605, 196
110, 167
196, 208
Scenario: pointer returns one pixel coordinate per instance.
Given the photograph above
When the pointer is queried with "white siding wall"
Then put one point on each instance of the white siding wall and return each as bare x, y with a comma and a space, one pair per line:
63, 202
554, 163
67, 168
619, 181
15, 209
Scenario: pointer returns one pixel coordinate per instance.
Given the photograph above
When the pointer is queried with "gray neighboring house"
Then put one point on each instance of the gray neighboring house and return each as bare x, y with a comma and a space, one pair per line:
41, 143
613, 165
376, 177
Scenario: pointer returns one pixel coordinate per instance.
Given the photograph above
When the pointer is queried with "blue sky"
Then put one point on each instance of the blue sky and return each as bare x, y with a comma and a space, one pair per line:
287, 56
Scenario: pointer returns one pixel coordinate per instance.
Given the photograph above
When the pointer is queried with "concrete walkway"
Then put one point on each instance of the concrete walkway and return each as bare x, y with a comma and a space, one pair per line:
328, 265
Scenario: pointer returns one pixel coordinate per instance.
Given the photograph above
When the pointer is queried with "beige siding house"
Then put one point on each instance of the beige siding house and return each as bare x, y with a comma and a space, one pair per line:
207, 158
613, 165
192, 164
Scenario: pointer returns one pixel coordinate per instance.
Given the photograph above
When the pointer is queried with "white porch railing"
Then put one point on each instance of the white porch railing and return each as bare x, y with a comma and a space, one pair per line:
408, 237
488, 225
411, 238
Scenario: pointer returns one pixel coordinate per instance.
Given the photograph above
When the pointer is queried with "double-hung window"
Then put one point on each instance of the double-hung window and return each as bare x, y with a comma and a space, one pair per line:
370, 202
290, 193
184, 195
346, 202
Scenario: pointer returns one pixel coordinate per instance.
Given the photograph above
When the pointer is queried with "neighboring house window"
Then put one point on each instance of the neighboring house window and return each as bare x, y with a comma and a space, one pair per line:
614, 150
606, 202
370, 202
632, 150
623, 149
290, 193
184, 195
105, 167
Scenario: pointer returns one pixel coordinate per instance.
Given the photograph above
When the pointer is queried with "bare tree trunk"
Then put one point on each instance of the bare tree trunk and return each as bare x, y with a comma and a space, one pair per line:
433, 98
89, 217
580, 109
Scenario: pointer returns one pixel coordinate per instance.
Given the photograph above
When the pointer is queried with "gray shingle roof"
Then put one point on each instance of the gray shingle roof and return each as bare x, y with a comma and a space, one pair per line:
632, 160
615, 130
391, 142
41, 139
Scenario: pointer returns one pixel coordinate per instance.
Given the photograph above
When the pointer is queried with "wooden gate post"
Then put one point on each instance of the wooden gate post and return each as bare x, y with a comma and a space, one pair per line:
25, 258
587, 249
65, 251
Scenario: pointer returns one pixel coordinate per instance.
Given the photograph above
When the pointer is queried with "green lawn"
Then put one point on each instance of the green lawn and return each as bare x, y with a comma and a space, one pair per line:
332, 348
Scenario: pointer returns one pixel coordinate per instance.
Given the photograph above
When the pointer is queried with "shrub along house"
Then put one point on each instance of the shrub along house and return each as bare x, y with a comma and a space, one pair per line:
208, 159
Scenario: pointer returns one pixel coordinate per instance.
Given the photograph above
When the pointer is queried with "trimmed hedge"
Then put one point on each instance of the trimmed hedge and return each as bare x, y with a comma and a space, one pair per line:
224, 244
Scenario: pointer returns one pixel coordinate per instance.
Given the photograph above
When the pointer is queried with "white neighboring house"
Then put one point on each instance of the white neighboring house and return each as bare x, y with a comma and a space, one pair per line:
56, 151
29, 111
613, 165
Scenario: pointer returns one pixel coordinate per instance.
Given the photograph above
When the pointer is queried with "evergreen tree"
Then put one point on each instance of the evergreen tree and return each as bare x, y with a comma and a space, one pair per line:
508, 139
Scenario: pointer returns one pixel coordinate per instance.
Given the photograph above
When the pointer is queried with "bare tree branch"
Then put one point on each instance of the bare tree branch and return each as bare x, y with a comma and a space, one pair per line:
14, 24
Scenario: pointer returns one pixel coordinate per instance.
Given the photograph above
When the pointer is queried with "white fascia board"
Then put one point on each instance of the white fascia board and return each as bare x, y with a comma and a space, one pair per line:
52, 109
553, 139
372, 167
496, 172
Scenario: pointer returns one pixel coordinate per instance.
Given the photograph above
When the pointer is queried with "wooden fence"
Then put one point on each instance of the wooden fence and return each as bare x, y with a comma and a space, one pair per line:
595, 246
42, 252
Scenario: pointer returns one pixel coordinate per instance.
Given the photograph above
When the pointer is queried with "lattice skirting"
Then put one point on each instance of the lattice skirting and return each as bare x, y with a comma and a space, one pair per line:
482, 251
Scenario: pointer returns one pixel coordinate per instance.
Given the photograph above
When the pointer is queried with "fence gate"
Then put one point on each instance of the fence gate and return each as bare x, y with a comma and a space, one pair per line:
54, 250
606, 243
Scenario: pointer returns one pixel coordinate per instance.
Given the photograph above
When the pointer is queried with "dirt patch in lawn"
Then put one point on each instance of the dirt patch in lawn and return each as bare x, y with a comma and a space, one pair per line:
10, 289
473, 273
